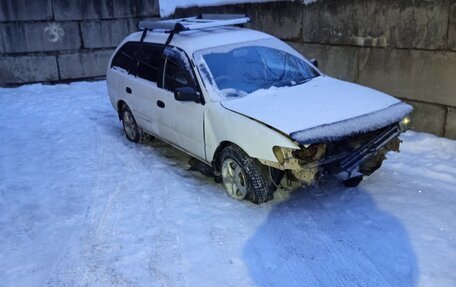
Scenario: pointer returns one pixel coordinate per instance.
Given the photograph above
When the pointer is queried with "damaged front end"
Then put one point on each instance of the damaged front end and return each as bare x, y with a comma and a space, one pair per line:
360, 155
348, 157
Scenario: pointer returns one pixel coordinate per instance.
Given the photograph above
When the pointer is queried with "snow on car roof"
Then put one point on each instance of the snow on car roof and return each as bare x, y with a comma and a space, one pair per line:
192, 41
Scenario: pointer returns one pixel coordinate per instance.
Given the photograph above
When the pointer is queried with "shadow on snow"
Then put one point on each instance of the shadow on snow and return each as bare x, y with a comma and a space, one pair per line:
338, 239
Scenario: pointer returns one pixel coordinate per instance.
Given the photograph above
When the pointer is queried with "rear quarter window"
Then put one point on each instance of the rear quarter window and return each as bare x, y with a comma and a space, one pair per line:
125, 58
141, 60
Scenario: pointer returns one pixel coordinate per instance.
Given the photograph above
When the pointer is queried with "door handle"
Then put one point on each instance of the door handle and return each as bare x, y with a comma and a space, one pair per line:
160, 104
128, 90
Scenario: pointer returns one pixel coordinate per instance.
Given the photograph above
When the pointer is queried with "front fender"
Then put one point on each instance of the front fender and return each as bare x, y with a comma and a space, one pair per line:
255, 138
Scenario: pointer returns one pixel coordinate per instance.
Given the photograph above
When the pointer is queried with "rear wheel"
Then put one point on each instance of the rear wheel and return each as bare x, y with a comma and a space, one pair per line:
132, 131
243, 178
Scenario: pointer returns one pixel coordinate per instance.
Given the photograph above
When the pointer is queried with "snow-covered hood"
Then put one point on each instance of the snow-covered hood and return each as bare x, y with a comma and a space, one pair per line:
321, 109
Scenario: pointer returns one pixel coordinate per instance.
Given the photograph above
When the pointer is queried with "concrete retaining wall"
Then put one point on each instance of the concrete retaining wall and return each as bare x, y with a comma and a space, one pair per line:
406, 48
55, 40
403, 47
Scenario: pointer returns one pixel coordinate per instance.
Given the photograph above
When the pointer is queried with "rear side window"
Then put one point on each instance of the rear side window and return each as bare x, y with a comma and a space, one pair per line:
126, 56
148, 66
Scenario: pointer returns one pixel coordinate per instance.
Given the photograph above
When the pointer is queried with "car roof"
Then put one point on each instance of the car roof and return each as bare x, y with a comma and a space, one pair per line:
191, 41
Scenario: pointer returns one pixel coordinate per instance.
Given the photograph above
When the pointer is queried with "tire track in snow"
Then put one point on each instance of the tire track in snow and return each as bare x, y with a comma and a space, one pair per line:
167, 241
64, 267
78, 262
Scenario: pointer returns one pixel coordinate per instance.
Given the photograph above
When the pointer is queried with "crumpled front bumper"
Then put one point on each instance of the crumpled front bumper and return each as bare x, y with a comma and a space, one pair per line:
347, 165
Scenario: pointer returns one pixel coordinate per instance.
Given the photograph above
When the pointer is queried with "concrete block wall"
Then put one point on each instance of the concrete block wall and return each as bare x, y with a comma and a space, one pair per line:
406, 48
56, 40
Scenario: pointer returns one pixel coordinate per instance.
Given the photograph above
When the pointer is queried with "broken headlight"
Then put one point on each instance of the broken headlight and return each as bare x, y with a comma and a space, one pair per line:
283, 154
303, 155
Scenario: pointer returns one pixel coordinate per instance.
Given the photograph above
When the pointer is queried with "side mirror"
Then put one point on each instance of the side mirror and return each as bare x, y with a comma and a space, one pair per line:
314, 62
187, 94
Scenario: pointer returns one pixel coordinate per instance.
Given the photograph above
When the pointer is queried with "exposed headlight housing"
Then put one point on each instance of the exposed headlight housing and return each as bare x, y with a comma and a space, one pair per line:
282, 153
288, 156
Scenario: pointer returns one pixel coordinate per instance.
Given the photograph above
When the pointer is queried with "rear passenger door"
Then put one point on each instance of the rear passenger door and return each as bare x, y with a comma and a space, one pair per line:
142, 85
121, 65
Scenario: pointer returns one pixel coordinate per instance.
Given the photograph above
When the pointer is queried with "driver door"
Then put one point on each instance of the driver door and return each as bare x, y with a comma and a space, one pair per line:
180, 123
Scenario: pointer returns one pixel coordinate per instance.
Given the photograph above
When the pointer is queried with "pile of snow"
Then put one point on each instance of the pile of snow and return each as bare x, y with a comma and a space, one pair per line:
82, 206
168, 7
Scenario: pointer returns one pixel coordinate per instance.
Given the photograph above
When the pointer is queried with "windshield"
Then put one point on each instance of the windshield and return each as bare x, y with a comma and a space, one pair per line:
244, 68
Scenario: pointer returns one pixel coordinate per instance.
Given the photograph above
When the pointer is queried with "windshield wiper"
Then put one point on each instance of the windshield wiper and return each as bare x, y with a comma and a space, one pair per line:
305, 80
282, 83
290, 83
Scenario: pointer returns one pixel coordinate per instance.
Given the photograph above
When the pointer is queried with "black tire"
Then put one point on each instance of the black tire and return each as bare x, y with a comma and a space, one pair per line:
372, 164
353, 182
133, 132
257, 189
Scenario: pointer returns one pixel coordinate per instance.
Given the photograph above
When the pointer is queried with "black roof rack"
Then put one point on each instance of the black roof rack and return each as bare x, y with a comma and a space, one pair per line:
194, 23
202, 21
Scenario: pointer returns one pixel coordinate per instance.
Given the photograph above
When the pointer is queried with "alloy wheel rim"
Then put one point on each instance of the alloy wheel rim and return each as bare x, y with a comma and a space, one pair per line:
129, 125
234, 179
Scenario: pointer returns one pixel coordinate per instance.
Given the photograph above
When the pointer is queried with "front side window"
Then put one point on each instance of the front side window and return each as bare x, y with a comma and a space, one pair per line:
247, 67
175, 76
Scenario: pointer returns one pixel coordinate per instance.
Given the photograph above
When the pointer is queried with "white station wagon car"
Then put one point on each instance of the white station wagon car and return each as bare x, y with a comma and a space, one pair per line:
248, 105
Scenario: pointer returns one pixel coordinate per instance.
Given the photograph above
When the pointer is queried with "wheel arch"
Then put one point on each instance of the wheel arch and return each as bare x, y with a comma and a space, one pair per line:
216, 164
224, 127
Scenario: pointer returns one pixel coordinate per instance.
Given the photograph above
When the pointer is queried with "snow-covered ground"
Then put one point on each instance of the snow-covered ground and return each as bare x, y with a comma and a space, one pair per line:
82, 206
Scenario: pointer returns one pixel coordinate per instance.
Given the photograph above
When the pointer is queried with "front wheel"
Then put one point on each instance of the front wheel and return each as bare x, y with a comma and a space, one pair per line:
353, 182
242, 177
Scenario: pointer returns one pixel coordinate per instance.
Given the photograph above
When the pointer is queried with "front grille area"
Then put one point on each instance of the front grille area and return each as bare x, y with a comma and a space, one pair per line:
350, 144
347, 154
